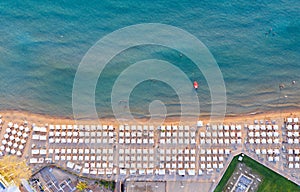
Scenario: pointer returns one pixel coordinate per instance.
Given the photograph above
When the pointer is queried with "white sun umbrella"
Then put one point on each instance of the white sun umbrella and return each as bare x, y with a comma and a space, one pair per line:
6, 136
25, 135
16, 126
11, 137
21, 147
19, 153
14, 132
7, 149
0, 121
23, 141
4, 142
2, 148
19, 133
8, 130
26, 129
9, 143
15, 145
21, 127
13, 151
17, 139
10, 124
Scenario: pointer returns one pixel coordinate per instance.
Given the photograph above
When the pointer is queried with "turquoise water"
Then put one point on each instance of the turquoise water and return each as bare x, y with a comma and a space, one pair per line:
43, 42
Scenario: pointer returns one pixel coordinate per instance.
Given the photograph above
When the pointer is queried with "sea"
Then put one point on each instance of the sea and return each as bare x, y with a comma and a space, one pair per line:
256, 45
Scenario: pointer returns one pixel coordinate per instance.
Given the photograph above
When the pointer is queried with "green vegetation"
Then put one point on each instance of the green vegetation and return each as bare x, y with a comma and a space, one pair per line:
272, 182
81, 186
106, 184
227, 174
13, 168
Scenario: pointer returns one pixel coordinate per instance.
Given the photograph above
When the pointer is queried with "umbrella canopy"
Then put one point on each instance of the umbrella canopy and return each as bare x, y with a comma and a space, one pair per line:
6, 136
19, 133
17, 139
15, 145
4, 142
11, 137
2, 148
10, 124
13, 151
8, 130
9, 143
14, 132
21, 147
19, 153
21, 127
7, 149
16, 126
23, 141
26, 129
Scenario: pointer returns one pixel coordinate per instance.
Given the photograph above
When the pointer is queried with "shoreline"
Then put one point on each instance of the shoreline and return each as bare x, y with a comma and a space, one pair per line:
39, 119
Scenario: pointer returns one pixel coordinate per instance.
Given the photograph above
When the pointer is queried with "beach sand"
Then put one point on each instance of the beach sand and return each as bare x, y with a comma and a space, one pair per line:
39, 119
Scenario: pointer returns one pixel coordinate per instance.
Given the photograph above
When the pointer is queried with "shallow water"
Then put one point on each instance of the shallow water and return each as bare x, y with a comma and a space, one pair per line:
42, 45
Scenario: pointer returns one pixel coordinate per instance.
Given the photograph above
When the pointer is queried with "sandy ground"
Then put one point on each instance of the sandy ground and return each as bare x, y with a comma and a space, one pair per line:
38, 119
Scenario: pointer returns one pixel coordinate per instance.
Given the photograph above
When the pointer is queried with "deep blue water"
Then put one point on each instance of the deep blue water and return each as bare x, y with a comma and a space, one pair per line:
43, 42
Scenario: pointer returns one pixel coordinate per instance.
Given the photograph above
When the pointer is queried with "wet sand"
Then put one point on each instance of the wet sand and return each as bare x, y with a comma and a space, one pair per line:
39, 119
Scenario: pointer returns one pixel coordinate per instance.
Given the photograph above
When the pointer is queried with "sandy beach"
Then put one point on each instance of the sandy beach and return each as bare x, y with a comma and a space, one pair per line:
39, 119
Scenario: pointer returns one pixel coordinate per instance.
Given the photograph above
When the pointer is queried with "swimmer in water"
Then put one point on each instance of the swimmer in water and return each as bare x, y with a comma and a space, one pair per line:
270, 32
281, 86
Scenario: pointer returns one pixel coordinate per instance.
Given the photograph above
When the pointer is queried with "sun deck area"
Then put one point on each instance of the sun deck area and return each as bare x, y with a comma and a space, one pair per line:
146, 152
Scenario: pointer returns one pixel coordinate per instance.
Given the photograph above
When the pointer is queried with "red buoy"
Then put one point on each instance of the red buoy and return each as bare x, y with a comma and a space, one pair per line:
195, 85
